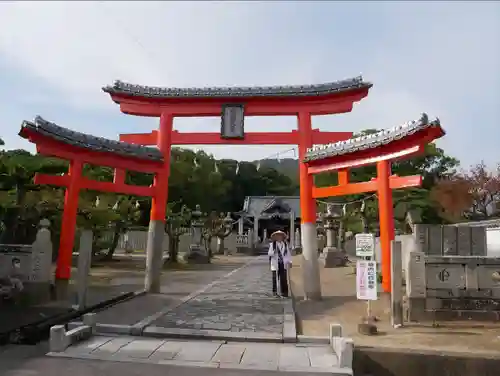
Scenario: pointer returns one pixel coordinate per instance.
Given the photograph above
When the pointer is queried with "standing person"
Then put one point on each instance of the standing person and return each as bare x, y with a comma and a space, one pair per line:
280, 260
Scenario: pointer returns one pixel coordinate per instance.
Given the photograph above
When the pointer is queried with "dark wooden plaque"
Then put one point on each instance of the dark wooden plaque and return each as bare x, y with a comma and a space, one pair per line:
233, 121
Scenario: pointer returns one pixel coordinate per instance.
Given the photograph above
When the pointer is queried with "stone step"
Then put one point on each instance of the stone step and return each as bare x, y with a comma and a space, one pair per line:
304, 358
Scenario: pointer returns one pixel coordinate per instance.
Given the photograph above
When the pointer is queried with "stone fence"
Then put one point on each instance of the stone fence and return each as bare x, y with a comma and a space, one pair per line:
26, 270
136, 240
452, 287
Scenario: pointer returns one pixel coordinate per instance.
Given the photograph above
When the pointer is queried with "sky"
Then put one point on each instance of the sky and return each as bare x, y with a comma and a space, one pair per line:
442, 58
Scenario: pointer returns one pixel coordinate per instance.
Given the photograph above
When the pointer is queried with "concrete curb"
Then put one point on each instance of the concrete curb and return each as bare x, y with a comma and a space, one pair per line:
343, 347
289, 327
60, 339
320, 340
159, 332
334, 371
110, 328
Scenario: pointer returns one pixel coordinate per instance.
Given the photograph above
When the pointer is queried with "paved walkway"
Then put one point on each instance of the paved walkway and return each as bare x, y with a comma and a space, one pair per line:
209, 354
241, 302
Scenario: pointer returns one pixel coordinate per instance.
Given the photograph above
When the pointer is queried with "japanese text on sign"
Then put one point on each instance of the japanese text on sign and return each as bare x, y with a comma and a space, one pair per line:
365, 245
366, 280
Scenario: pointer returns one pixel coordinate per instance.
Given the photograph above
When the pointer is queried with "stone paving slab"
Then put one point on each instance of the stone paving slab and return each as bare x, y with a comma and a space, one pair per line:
211, 354
242, 302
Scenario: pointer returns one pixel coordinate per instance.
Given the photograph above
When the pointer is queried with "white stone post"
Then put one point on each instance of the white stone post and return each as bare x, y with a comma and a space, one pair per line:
240, 226
396, 284
84, 263
256, 229
292, 230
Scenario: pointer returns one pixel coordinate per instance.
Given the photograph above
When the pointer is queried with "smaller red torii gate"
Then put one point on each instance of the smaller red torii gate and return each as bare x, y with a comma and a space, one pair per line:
380, 148
79, 149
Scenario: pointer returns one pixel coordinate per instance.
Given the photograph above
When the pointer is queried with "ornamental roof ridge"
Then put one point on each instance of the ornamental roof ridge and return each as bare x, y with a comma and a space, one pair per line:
372, 140
124, 88
86, 141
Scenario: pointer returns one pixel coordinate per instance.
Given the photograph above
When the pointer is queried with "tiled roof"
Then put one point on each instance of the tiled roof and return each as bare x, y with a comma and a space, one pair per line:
370, 141
123, 88
85, 141
255, 205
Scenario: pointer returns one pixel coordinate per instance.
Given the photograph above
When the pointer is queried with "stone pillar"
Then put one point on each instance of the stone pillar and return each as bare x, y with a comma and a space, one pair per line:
251, 238
38, 270
331, 256
310, 266
240, 226
297, 240
397, 284
197, 252
330, 237
292, 230
154, 256
84, 263
255, 230
416, 286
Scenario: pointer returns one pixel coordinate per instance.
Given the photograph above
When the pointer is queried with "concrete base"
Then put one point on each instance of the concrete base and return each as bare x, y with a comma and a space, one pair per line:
61, 289
154, 256
310, 266
332, 257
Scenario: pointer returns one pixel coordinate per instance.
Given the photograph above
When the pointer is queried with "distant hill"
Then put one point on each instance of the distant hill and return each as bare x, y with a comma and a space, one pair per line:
287, 166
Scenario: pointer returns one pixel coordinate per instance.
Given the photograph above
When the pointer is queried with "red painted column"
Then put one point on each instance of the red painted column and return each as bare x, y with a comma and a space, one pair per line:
68, 225
310, 267
164, 143
386, 219
156, 234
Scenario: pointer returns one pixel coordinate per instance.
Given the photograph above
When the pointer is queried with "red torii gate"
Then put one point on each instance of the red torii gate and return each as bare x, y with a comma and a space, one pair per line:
380, 148
79, 149
233, 104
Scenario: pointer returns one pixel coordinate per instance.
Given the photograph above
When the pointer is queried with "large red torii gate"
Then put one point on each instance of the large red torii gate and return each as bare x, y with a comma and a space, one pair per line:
380, 148
233, 104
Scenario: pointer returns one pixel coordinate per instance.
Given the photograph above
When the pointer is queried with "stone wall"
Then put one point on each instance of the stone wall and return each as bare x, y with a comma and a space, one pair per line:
452, 287
450, 240
434, 240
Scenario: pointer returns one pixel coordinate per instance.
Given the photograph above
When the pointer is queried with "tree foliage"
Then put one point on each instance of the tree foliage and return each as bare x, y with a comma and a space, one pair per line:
470, 194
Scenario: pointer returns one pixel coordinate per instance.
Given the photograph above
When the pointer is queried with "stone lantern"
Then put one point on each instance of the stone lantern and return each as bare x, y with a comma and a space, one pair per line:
222, 228
331, 256
196, 250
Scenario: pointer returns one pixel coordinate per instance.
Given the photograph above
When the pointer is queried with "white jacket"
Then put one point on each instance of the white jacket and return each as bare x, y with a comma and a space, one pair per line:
273, 254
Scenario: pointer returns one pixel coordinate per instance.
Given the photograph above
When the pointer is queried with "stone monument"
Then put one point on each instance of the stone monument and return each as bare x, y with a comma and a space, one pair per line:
331, 256
197, 252
26, 270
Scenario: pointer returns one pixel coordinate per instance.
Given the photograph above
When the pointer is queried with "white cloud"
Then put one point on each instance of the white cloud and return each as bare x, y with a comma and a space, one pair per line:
421, 56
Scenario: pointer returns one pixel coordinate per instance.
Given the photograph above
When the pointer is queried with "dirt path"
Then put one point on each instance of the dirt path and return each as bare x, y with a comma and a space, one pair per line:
340, 305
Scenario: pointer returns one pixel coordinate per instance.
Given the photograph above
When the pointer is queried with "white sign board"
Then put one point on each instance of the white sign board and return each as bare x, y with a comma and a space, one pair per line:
365, 245
366, 280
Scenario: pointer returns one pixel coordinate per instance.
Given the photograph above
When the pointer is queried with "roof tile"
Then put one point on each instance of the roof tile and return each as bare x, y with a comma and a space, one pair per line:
124, 88
370, 141
86, 141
